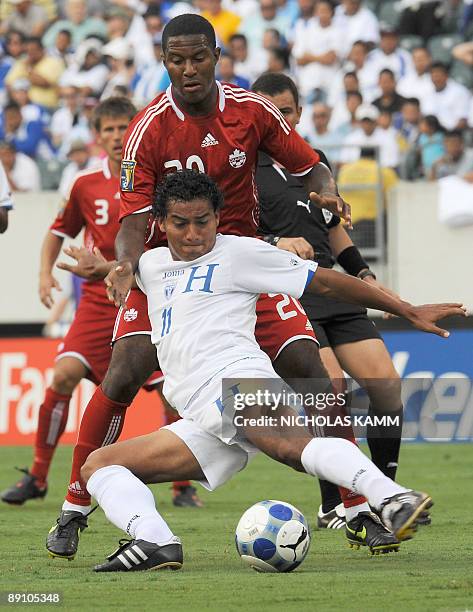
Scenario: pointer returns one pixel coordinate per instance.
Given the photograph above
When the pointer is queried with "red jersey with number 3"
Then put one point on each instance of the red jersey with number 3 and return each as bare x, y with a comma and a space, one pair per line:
93, 204
162, 139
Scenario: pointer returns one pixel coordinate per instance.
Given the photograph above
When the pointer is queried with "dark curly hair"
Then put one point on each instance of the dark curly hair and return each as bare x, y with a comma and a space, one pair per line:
186, 186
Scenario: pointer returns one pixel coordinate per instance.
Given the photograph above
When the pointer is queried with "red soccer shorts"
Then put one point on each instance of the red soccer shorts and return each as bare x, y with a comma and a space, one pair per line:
90, 335
280, 321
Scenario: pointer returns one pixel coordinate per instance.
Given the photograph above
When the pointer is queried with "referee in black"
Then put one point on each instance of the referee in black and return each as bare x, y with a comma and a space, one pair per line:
349, 340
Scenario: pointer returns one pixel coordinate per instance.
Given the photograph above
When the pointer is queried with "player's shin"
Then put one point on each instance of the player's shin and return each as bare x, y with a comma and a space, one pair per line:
129, 504
101, 425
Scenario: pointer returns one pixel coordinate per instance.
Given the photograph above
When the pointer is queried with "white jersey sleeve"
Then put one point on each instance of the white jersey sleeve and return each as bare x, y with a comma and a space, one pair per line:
258, 267
5, 193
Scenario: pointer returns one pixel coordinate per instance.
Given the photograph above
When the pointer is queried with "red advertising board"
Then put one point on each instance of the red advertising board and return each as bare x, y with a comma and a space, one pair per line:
26, 368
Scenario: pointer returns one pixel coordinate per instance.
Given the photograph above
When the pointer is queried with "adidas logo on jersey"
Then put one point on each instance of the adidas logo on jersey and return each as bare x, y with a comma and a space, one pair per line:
209, 141
308, 326
130, 315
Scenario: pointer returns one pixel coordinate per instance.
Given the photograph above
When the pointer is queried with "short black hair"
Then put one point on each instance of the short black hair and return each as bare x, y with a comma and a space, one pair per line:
356, 94
36, 40
238, 36
12, 105
274, 83
433, 123
439, 66
389, 72
66, 32
186, 186
368, 153
186, 25
454, 134
413, 101
115, 106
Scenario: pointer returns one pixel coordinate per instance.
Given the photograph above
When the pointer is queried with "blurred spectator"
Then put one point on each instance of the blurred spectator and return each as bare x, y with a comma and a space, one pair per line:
77, 22
353, 102
30, 112
420, 17
390, 55
27, 18
365, 208
429, 146
316, 51
150, 80
288, 9
370, 135
69, 123
14, 45
243, 8
407, 122
28, 137
304, 21
320, 136
358, 62
464, 52
226, 72
119, 56
80, 159
417, 83
145, 52
6, 202
246, 65
447, 100
389, 100
41, 70
62, 48
118, 22
456, 160
254, 26
338, 97
278, 60
22, 172
357, 23
12, 49
87, 73
224, 21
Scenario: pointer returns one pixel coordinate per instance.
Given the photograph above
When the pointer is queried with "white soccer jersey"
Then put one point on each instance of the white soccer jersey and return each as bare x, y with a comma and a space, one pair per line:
202, 312
5, 193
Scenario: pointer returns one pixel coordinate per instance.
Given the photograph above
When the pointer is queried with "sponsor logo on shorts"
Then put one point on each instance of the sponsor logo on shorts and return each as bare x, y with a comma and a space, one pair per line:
130, 315
127, 175
237, 158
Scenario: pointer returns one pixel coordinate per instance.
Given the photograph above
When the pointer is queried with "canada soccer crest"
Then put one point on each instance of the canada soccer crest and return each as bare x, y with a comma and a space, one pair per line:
237, 158
130, 315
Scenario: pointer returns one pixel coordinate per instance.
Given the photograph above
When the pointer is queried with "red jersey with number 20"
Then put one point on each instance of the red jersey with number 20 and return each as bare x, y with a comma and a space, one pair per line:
224, 145
93, 204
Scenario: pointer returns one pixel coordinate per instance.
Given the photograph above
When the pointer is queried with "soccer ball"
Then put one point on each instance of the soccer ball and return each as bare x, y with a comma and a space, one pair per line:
272, 536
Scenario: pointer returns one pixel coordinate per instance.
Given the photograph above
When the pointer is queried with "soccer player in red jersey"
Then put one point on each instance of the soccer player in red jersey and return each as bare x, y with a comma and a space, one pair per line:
93, 204
218, 129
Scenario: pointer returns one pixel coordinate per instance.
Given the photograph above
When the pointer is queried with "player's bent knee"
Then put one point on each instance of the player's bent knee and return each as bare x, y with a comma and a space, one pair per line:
65, 380
95, 461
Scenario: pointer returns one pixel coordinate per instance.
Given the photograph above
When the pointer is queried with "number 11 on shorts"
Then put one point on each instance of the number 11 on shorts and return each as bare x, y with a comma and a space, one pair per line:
166, 317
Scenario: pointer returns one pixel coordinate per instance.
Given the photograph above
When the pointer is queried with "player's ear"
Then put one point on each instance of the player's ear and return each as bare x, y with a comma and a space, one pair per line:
162, 223
216, 53
217, 216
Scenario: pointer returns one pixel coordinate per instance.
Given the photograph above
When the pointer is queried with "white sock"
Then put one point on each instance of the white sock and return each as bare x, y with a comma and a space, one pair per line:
129, 504
341, 462
76, 508
353, 511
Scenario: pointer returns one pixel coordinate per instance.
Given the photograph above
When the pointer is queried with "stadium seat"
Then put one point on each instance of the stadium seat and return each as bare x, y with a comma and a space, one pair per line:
441, 46
462, 73
388, 13
411, 41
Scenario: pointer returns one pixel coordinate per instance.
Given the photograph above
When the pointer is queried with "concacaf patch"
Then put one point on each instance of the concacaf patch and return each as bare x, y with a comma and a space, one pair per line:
127, 175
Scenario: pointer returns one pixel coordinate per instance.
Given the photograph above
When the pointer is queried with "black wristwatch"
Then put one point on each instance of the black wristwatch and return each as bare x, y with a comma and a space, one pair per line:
367, 272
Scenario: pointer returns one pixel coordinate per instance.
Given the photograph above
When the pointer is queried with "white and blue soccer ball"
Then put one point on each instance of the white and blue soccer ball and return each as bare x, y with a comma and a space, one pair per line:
272, 536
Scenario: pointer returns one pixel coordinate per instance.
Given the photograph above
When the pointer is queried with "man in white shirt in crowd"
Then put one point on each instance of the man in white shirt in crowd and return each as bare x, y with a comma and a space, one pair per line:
6, 202
267, 18
357, 23
22, 171
370, 135
248, 65
417, 84
390, 55
447, 100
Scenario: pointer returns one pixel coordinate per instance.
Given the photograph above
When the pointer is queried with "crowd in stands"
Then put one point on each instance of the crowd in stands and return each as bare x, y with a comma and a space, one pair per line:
393, 77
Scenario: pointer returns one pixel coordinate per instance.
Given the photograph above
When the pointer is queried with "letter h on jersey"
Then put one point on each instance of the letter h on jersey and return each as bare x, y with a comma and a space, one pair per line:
207, 278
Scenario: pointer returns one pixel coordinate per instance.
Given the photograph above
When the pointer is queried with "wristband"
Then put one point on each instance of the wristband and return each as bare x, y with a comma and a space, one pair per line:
351, 261
271, 239
362, 275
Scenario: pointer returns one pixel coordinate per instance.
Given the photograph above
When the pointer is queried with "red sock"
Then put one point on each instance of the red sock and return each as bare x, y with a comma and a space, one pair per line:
171, 416
52, 419
101, 425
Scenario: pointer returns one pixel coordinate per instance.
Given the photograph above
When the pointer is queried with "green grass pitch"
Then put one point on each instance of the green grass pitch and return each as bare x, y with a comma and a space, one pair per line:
432, 572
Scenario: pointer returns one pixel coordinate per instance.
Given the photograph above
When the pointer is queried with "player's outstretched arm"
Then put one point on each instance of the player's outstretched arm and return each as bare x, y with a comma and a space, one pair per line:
330, 283
129, 246
91, 266
50, 250
323, 192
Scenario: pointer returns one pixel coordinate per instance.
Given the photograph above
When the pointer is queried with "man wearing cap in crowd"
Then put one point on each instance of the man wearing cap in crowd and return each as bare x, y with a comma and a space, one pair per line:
370, 135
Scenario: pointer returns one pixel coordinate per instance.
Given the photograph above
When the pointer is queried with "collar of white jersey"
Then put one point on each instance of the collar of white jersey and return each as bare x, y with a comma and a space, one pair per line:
180, 114
106, 168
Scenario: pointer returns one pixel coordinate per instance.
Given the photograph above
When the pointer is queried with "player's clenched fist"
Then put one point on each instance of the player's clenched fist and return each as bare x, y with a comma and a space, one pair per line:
119, 282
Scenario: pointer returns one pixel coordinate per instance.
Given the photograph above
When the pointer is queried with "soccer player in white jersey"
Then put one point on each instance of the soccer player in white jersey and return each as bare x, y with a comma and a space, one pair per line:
202, 290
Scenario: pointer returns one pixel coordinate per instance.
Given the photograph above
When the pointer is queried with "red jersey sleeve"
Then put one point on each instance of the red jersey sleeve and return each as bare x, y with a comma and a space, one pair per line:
283, 143
70, 220
138, 175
